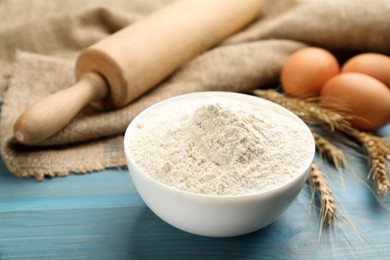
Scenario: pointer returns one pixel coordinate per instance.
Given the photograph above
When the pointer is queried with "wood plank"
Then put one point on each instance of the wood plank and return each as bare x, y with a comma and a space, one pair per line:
137, 233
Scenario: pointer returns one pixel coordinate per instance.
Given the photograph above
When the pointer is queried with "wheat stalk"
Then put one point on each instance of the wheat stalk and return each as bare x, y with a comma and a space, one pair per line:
310, 112
313, 114
378, 152
328, 205
329, 150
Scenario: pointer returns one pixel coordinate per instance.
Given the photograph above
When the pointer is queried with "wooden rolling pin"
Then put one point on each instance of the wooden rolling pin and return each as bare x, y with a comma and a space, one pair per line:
115, 71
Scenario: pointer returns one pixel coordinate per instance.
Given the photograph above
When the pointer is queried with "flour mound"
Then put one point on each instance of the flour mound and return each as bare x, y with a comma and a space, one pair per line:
222, 136
221, 149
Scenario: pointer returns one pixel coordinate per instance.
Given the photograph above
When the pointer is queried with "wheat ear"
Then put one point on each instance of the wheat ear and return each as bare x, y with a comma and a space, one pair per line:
310, 112
329, 150
378, 152
328, 206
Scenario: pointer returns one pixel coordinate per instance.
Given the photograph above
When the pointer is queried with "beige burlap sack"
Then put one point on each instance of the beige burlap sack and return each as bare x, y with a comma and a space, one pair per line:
250, 59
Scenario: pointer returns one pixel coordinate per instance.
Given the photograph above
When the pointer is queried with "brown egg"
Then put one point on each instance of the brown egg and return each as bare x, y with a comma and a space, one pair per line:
373, 64
307, 70
365, 99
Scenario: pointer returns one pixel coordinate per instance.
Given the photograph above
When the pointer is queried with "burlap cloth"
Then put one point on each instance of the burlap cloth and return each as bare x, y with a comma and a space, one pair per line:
39, 41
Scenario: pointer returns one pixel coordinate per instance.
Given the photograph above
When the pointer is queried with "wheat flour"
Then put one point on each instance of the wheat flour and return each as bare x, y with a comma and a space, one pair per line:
220, 146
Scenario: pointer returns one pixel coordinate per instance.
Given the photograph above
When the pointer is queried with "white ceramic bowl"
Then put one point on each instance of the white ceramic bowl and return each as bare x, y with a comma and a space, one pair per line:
213, 215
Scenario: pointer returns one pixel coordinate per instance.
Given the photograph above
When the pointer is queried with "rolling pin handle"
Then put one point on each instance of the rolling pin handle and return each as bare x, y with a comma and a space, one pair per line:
50, 115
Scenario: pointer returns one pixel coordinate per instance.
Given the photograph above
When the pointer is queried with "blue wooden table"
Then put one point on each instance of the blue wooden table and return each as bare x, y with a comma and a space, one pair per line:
101, 216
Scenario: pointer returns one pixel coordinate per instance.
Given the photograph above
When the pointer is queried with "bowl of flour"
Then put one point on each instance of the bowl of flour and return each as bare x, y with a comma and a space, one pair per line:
218, 164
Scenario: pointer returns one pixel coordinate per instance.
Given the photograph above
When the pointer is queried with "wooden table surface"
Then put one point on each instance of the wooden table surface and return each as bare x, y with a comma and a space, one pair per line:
101, 216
